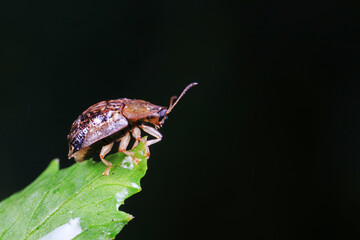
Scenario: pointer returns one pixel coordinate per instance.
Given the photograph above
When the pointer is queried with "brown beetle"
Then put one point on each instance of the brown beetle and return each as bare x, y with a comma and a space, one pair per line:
98, 127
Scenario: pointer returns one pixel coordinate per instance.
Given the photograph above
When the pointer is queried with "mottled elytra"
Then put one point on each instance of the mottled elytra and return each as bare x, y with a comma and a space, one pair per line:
98, 127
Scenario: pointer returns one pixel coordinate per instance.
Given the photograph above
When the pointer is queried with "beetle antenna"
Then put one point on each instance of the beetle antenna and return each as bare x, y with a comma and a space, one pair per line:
172, 104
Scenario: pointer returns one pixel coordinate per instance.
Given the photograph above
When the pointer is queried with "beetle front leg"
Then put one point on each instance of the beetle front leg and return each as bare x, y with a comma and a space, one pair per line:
136, 133
124, 142
105, 150
153, 132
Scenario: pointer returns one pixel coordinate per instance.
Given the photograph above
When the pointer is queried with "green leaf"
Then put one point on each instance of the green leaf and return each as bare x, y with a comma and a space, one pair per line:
78, 200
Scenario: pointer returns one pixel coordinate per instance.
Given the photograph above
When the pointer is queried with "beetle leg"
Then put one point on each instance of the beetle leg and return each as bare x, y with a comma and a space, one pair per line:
137, 135
124, 142
153, 132
105, 150
147, 152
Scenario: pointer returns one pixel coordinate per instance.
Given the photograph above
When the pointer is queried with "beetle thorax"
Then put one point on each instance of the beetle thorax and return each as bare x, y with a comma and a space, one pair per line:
139, 111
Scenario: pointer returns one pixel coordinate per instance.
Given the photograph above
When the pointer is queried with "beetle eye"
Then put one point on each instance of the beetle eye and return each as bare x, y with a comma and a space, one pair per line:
162, 114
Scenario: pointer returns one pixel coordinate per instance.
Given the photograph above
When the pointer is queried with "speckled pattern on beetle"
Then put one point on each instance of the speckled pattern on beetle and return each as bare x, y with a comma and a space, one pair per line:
97, 128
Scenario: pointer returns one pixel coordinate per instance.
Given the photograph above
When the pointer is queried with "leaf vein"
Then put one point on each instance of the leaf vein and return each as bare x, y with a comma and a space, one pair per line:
44, 196
3, 234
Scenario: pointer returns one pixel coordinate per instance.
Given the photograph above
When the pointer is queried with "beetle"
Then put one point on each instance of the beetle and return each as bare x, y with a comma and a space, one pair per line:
99, 126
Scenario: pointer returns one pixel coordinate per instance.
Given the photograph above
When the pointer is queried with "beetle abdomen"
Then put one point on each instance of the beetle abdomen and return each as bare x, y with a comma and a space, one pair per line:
95, 148
96, 123
99, 128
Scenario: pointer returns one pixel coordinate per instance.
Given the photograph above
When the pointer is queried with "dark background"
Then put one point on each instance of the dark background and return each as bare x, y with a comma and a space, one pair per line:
265, 147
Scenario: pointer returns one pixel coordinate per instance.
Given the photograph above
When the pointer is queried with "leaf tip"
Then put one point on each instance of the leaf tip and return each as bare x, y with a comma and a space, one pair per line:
55, 161
54, 164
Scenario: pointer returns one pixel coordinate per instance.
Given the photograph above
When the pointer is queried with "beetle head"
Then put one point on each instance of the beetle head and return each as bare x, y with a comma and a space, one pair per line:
160, 116
142, 111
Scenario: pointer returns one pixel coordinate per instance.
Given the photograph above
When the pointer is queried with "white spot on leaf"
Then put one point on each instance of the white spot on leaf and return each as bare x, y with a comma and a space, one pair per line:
141, 153
128, 163
65, 232
134, 185
120, 197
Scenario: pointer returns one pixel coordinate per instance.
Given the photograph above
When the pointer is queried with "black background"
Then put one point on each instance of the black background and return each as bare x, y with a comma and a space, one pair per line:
265, 147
